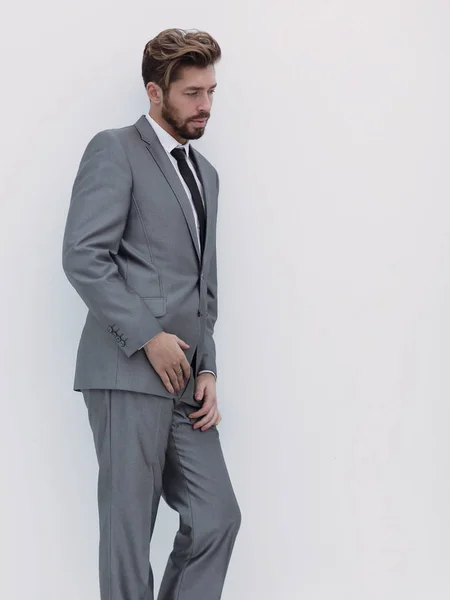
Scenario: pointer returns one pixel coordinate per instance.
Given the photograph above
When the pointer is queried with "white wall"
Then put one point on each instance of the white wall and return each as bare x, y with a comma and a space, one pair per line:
331, 133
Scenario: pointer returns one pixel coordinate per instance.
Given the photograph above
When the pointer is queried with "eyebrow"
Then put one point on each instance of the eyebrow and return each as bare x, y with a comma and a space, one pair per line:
193, 87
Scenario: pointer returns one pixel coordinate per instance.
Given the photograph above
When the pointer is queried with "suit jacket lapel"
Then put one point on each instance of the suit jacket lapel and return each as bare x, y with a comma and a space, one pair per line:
162, 160
202, 172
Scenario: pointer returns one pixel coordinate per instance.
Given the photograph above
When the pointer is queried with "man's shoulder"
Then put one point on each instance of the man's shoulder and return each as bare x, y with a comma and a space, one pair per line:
115, 141
116, 134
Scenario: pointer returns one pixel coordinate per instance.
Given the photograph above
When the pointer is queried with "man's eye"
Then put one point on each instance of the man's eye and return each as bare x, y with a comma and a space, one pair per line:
192, 93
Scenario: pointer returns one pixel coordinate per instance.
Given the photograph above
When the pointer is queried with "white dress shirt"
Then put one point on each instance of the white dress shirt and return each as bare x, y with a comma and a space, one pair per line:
169, 143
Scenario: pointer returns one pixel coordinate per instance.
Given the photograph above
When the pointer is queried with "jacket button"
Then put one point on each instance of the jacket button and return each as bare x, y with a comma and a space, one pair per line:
122, 343
110, 329
199, 313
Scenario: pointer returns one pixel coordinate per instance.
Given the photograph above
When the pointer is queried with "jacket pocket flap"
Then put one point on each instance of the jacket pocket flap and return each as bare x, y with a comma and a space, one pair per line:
157, 305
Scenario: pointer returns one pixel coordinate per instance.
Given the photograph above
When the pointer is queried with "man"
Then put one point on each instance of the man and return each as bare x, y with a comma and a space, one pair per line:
140, 249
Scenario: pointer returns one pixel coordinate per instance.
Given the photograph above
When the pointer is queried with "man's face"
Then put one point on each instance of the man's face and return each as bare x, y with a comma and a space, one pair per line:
186, 107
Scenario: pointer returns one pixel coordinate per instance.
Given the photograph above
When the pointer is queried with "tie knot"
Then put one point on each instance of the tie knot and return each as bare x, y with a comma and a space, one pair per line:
179, 154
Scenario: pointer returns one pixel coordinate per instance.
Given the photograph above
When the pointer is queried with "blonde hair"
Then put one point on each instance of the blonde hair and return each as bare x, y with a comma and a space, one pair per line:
173, 49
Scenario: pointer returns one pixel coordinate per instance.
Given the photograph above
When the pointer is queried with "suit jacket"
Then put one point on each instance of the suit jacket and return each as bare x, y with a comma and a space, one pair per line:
131, 252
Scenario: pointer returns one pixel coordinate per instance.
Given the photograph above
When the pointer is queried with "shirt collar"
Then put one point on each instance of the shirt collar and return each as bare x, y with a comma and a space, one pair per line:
167, 141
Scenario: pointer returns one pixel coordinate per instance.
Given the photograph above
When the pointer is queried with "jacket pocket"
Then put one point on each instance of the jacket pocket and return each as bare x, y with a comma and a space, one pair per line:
157, 305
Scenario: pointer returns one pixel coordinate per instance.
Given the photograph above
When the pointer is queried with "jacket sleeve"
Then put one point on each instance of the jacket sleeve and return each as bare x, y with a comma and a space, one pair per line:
98, 211
208, 360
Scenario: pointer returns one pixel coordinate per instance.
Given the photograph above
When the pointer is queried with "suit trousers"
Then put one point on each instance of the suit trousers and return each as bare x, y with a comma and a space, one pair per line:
147, 448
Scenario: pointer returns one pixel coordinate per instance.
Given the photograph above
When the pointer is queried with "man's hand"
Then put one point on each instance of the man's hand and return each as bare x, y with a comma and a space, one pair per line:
165, 353
205, 388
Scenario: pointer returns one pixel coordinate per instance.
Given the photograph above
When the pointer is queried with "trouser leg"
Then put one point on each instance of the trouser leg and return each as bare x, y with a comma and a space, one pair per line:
130, 434
196, 484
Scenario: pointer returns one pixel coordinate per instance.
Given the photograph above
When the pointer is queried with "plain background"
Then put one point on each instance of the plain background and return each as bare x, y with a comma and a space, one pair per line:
331, 134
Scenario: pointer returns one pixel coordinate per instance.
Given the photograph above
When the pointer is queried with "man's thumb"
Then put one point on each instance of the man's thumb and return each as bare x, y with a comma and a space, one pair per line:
200, 390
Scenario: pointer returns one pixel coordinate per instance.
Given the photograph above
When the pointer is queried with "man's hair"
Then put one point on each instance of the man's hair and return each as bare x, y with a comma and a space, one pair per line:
172, 49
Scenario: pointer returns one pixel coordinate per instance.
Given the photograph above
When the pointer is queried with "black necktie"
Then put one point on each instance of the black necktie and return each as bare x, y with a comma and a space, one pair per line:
180, 155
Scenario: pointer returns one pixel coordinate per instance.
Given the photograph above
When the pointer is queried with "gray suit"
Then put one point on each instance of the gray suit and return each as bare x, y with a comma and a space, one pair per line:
131, 251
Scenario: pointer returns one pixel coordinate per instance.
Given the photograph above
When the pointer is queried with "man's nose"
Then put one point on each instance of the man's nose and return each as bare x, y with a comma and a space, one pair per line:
205, 104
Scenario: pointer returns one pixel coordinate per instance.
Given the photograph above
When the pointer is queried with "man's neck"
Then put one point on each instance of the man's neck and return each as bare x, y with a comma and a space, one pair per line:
167, 127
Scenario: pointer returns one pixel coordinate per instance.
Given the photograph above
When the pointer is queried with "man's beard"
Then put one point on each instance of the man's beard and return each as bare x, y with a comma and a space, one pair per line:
169, 114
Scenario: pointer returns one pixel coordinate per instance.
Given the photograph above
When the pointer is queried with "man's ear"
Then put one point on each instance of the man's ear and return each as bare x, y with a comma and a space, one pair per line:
154, 92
